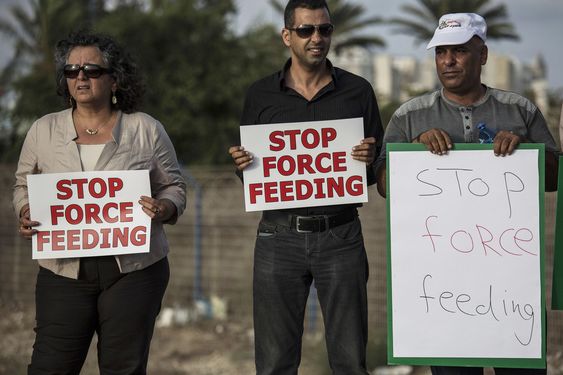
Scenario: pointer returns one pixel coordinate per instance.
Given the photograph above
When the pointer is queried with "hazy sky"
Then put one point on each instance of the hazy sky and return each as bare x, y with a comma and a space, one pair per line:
538, 22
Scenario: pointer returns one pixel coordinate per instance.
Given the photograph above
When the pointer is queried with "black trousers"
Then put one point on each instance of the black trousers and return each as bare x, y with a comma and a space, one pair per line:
120, 308
285, 265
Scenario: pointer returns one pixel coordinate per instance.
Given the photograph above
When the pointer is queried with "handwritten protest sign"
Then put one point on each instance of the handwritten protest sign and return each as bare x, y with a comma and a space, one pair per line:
465, 257
89, 213
303, 164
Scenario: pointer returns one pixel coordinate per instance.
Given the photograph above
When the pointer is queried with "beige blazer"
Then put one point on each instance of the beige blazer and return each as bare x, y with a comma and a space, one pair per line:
139, 142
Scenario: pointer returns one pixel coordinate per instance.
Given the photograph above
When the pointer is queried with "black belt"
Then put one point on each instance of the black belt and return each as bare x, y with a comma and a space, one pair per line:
309, 224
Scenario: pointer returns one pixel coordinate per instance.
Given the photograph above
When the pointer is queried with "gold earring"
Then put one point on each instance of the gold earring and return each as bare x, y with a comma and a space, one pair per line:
114, 99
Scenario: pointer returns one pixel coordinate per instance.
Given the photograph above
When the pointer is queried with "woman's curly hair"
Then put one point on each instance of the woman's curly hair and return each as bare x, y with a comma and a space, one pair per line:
130, 88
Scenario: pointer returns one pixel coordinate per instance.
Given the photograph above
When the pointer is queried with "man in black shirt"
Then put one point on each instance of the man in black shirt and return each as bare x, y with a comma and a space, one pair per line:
324, 243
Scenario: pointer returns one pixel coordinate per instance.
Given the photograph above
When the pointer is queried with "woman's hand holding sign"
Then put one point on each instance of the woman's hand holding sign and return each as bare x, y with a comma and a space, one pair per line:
26, 224
158, 209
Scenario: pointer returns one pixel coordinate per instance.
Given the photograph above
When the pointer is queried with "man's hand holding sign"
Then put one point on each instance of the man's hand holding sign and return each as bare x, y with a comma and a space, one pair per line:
438, 141
304, 164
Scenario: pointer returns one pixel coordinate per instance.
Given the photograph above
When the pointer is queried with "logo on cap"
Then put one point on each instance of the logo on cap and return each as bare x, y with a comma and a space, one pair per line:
449, 23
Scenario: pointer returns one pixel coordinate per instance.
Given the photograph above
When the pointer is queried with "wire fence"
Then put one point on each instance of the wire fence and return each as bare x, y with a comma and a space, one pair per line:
212, 253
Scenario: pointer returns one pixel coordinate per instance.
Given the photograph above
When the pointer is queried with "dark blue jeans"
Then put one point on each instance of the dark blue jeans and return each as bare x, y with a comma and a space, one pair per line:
285, 265
120, 308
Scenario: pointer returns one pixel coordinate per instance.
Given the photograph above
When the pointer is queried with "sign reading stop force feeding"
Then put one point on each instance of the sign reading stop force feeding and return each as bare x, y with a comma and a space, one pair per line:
466, 257
303, 164
89, 213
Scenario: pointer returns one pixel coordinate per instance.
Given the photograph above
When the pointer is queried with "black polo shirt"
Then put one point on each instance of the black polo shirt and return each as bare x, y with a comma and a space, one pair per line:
270, 101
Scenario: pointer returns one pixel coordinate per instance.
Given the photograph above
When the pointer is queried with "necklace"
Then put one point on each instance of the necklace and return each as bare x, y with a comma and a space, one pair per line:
94, 131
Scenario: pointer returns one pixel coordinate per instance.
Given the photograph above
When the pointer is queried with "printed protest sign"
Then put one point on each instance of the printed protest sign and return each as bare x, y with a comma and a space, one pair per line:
303, 164
465, 257
89, 213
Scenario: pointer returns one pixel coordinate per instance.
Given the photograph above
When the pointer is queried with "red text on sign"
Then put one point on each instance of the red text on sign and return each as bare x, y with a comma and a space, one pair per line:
309, 138
96, 187
511, 241
297, 190
86, 239
92, 213
287, 165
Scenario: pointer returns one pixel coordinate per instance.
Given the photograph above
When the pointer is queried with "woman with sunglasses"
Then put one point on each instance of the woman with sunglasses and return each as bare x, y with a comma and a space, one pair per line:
117, 297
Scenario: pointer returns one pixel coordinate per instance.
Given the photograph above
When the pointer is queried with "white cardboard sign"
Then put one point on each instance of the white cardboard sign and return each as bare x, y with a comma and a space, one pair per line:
303, 164
89, 213
465, 254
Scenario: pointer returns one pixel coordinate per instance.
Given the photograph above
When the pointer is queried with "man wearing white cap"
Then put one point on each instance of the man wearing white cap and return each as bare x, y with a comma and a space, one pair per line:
451, 115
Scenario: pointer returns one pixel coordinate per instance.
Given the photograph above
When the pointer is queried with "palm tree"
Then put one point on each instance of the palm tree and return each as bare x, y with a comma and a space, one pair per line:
346, 18
424, 18
34, 27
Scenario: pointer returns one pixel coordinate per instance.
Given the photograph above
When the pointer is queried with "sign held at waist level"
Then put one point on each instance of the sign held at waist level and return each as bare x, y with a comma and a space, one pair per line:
303, 164
465, 257
89, 213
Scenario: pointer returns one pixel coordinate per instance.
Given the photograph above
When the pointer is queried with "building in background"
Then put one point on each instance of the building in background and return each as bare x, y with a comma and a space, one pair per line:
398, 78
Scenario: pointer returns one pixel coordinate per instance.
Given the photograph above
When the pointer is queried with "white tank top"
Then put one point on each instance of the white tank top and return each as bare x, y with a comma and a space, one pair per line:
89, 155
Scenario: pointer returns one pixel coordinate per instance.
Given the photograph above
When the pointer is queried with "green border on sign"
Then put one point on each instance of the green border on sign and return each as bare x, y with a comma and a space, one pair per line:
472, 362
557, 285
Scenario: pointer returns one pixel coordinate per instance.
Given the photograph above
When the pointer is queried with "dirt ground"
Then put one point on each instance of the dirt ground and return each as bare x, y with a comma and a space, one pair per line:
205, 347
202, 348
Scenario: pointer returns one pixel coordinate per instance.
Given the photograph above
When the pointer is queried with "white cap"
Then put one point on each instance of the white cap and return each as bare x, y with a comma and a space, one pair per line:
458, 28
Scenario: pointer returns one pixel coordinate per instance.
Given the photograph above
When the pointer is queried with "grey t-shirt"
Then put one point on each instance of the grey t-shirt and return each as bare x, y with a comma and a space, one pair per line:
498, 109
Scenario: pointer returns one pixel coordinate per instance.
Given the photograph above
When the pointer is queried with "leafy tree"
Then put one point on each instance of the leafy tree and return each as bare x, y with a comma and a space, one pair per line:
35, 34
196, 69
347, 20
423, 18
30, 73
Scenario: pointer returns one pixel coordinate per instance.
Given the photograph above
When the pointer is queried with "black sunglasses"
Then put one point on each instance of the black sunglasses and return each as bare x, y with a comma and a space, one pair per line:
305, 31
90, 70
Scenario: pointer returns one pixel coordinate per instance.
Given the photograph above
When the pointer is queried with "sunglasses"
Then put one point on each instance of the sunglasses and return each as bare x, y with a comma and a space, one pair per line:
305, 31
90, 70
